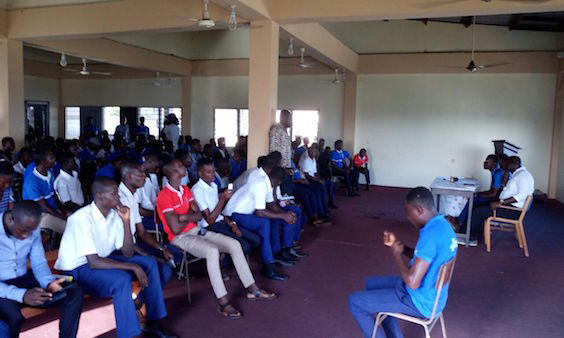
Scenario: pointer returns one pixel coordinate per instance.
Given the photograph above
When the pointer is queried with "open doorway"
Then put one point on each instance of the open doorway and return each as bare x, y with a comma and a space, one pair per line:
37, 118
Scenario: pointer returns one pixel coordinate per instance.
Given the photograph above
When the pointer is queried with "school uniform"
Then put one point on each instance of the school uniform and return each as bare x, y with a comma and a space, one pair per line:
36, 187
207, 197
206, 245
69, 188
361, 163
16, 279
338, 157
89, 232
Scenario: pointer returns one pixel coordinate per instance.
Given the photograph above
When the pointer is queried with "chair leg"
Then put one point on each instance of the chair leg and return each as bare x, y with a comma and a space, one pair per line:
487, 235
427, 333
379, 319
443, 327
523, 239
518, 236
187, 276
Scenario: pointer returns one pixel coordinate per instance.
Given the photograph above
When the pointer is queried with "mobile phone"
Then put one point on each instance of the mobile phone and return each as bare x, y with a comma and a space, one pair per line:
230, 186
57, 296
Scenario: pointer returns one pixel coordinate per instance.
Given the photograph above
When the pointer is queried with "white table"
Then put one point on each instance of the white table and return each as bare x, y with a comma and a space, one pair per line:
466, 187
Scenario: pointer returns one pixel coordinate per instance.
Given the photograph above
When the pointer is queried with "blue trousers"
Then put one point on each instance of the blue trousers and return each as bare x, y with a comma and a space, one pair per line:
4, 329
366, 174
321, 194
330, 190
262, 227
165, 269
300, 219
307, 198
116, 284
382, 294
478, 202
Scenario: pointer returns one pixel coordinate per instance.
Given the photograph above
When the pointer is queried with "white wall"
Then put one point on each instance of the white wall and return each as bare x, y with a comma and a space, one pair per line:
418, 126
294, 92
44, 89
560, 176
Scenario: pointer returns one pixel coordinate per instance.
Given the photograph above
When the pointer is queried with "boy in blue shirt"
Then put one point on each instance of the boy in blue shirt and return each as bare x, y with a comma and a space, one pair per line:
340, 168
413, 292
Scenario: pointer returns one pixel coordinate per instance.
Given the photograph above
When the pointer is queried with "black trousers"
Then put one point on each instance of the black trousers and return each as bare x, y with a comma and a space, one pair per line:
71, 307
481, 213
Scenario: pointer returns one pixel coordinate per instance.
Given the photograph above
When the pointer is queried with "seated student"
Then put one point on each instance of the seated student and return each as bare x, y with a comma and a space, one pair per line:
413, 292
211, 204
324, 170
150, 190
503, 164
238, 164
20, 240
341, 168
308, 169
518, 188
89, 254
39, 186
301, 150
314, 204
73, 148
485, 197
133, 180
220, 152
8, 147
361, 166
24, 158
179, 213
113, 167
6, 180
253, 207
196, 156
67, 186
186, 160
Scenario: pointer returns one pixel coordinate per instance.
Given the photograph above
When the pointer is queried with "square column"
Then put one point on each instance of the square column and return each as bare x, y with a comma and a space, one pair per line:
12, 110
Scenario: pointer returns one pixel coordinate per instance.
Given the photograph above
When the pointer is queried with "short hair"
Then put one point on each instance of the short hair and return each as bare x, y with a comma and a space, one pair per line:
503, 157
181, 154
100, 184
65, 158
492, 157
129, 167
166, 166
275, 157
6, 169
421, 196
26, 208
285, 112
25, 150
362, 149
260, 161
40, 155
195, 140
7, 139
515, 159
204, 161
221, 138
337, 142
277, 173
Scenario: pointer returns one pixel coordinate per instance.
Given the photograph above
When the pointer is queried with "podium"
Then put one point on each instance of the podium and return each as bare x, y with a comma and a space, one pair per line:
503, 147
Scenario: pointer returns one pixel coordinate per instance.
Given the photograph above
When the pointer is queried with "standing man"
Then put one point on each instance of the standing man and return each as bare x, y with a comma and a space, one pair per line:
90, 130
122, 129
413, 292
20, 241
280, 139
142, 129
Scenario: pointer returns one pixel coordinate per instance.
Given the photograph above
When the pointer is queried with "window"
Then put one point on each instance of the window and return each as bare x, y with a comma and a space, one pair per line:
154, 118
110, 119
305, 123
72, 123
175, 111
231, 123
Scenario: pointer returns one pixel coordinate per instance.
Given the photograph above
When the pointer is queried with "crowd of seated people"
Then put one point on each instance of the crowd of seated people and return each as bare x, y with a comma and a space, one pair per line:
98, 199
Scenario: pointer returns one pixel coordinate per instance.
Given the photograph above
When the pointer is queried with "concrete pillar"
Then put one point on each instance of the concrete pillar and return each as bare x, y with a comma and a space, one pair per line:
553, 175
349, 113
186, 106
61, 118
263, 86
12, 110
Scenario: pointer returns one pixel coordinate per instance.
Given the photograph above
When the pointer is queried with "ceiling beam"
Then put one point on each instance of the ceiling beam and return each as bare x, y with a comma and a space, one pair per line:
252, 10
324, 46
3, 23
117, 53
299, 11
106, 18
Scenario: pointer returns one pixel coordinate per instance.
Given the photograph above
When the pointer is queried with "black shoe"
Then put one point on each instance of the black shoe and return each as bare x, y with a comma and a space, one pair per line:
271, 273
356, 193
333, 206
288, 256
155, 330
279, 259
296, 253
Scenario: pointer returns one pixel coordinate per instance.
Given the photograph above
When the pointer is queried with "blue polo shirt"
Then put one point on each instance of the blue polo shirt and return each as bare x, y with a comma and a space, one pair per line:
86, 155
436, 245
338, 156
37, 187
237, 168
107, 171
497, 177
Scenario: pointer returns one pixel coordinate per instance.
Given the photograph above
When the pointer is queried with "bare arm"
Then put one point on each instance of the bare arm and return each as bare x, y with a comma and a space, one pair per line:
211, 217
178, 222
128, 246
55, 212
146, 212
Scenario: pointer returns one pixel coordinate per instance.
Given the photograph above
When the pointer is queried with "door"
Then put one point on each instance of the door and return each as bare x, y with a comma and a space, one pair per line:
95, 113
37, 118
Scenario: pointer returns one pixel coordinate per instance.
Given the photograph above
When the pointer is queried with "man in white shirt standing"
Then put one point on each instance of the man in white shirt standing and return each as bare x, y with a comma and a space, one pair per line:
515, 193
89, 253
67, 185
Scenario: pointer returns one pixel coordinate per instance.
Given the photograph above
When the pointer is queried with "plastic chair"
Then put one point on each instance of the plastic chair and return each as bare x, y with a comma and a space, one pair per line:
445, 274
508, 225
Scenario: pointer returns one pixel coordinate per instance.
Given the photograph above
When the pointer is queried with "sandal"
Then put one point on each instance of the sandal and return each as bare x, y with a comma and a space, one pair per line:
222, 309
261, 295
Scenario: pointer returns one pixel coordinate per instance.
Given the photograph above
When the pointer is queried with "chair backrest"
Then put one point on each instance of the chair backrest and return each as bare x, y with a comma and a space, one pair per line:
444, 276
526, 206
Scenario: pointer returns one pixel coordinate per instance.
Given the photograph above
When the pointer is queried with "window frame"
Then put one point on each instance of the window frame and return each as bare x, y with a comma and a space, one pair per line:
292, 128
238, 109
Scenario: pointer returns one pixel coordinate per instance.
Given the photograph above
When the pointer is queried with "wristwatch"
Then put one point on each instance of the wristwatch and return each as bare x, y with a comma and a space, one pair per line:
502, 201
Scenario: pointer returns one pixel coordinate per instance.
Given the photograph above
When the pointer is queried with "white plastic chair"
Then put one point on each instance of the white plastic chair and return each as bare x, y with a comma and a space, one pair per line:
445, 274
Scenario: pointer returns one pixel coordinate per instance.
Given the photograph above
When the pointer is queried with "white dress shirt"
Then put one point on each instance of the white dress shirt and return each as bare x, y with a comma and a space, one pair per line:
132, 202
88, 232
68, 188
206, 197
520, 186
308, 166
148, 194
250, 197
243, 178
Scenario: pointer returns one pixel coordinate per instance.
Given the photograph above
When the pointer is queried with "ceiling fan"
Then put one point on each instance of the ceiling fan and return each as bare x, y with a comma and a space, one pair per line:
340, 77
472, 66
157, 82
206, 22
302, 64
84, 71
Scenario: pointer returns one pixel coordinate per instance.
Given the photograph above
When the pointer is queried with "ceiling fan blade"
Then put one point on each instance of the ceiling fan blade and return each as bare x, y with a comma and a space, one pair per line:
71, 70
497, 64
101, 73
185, 18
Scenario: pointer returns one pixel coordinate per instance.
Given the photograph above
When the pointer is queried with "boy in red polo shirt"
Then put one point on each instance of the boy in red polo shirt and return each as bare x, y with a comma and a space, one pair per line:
179, 214
361, 165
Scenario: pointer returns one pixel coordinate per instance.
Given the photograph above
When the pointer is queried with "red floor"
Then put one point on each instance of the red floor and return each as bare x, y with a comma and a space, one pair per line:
501, 294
